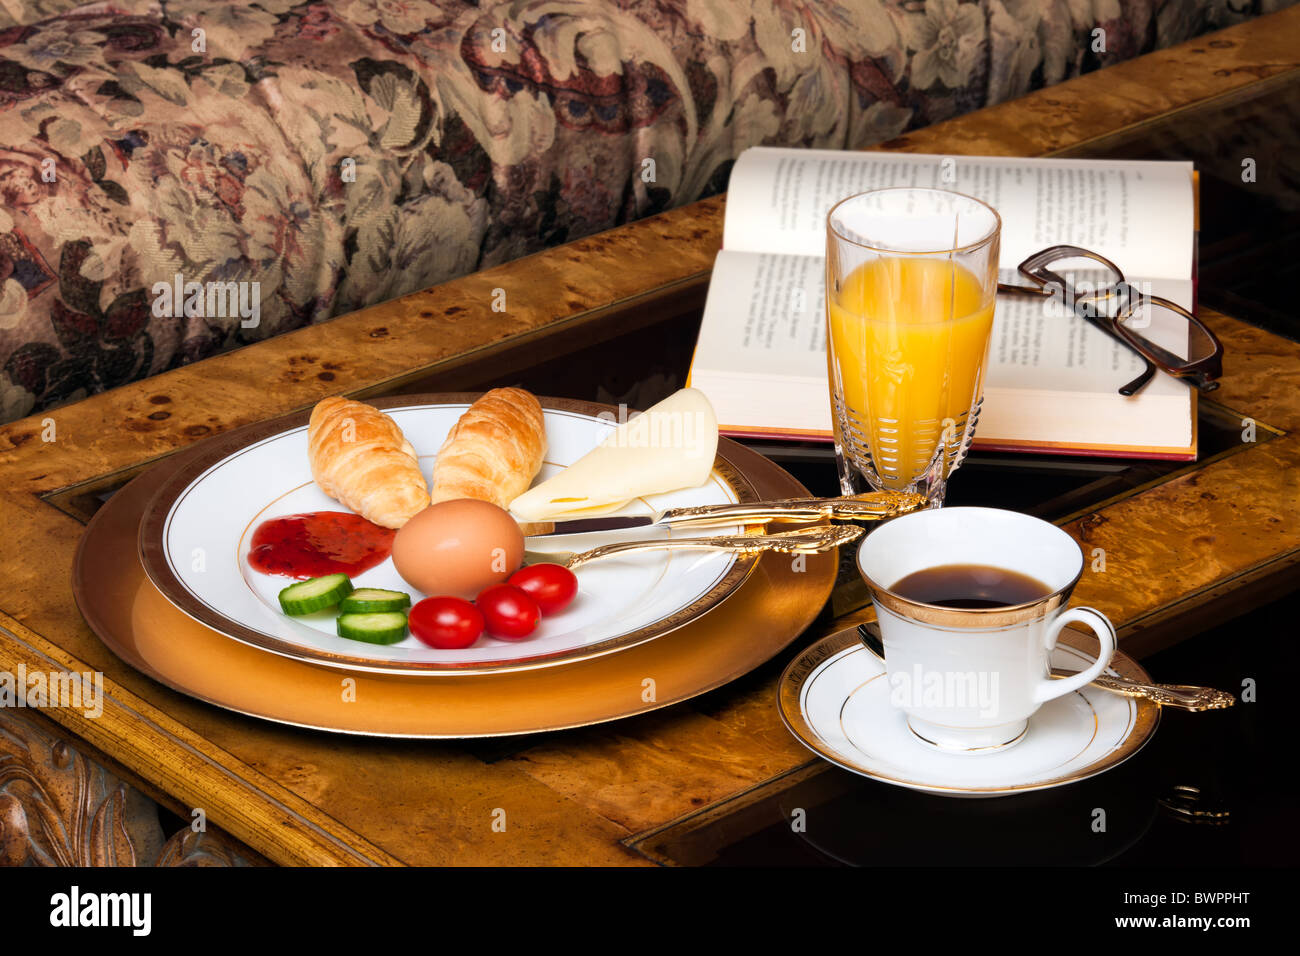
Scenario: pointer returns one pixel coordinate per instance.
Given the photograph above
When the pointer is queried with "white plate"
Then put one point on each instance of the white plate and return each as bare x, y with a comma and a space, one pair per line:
835, 699
195, 540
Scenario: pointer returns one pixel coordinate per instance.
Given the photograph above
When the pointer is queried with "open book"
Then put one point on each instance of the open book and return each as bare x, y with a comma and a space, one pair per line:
1051, 382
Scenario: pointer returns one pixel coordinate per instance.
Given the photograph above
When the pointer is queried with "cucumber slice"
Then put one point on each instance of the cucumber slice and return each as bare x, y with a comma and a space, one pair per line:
315, 594
374, 601
384, 628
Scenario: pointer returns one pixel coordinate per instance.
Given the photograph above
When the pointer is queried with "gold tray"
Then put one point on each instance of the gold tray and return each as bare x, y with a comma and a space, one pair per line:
779, 598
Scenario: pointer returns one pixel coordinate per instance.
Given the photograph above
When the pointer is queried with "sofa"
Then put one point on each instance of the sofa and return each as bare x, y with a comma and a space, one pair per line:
306, 159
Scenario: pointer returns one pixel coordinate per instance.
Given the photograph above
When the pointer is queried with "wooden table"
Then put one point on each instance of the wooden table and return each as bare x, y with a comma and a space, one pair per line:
1191, 549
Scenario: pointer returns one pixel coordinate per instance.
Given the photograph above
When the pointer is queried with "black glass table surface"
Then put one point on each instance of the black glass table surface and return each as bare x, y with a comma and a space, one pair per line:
1208, 790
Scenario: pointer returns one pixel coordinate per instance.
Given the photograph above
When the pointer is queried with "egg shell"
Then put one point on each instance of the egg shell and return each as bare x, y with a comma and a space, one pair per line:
458, 548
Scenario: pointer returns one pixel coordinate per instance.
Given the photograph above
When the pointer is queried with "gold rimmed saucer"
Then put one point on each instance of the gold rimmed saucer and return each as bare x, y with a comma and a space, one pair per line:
835, 699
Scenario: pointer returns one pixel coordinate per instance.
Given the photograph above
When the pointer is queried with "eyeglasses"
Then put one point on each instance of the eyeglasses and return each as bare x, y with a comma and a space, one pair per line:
1099, 294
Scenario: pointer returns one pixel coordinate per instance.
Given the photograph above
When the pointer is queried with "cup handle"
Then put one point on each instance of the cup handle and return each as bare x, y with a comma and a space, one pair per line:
1049, 689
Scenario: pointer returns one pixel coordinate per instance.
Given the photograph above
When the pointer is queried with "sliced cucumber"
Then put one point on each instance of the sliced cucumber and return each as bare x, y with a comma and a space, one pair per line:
374, 601
315, 594
385, 628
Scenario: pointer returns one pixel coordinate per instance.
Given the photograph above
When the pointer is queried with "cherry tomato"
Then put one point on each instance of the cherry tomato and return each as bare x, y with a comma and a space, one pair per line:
446, 622
509, 613
552, 586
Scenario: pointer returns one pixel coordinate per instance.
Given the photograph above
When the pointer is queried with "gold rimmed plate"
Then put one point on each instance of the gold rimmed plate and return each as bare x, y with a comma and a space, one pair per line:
835, 699
196, 532
772, 606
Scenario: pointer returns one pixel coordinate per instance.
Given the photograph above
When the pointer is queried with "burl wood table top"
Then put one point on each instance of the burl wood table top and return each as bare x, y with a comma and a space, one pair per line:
1192, 549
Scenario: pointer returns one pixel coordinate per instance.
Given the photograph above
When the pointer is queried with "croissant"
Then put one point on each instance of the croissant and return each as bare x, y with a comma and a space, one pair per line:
360, 458
494, 451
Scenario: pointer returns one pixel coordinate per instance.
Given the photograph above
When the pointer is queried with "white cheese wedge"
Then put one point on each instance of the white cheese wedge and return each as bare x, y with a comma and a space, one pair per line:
670, 446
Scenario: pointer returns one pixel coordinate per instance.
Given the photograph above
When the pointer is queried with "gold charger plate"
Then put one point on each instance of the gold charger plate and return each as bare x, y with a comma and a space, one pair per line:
191, 467
136, 622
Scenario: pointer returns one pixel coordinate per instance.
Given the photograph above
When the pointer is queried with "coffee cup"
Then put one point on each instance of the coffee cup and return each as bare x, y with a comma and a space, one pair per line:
969, 674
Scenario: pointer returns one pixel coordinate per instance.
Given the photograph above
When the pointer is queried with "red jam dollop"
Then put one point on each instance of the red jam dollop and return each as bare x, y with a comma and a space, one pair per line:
322, 542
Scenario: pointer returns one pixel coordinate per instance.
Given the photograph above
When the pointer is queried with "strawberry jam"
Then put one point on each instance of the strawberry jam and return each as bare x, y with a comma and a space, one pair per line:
319, 543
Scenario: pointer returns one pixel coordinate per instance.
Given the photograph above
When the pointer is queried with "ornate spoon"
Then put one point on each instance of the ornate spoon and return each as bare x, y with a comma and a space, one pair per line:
869, 506
1181, 696
803, 541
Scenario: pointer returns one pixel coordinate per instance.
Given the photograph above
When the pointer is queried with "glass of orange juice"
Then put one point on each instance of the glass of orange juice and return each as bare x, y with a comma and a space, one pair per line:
911, 278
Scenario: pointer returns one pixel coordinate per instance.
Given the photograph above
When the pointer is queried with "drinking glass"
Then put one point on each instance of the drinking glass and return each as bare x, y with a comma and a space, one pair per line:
911, 281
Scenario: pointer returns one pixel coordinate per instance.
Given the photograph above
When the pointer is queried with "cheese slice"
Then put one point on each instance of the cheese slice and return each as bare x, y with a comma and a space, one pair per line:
670, 446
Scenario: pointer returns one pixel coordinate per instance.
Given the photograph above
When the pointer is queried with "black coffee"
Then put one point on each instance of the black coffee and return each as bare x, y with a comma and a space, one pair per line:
970, 586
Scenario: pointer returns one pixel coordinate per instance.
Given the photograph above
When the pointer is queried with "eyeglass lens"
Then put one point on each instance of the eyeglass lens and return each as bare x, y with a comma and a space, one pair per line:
1165, 334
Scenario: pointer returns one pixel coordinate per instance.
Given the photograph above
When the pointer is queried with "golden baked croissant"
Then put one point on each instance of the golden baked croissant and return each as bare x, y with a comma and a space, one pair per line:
494, 451
361, 458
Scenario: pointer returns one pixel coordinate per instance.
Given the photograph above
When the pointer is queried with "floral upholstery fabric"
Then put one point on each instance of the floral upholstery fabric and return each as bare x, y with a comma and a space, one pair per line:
346, 152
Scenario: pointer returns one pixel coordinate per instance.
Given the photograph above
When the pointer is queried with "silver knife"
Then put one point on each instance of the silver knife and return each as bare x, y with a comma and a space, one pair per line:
871, 506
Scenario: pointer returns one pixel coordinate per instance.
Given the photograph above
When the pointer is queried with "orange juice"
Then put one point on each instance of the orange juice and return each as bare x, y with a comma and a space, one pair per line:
910, 337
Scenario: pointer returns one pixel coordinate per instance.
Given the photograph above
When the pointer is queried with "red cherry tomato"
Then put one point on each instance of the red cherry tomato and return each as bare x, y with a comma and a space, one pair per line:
446, 622
509, 613
552, 586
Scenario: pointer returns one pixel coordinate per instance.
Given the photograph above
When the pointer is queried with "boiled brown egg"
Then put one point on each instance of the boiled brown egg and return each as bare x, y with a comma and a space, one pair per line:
458, 548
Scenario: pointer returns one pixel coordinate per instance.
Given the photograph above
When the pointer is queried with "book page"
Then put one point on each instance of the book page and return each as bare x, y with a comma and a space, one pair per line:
1139, 214
766, 316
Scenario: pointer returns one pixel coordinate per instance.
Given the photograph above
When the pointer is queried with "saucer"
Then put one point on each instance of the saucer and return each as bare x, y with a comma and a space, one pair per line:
835, 698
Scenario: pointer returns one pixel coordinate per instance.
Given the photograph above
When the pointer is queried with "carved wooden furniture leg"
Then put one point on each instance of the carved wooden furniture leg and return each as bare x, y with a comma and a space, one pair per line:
58, 807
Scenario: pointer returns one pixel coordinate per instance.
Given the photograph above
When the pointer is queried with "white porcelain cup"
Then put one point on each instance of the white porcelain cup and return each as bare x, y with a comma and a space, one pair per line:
969, 680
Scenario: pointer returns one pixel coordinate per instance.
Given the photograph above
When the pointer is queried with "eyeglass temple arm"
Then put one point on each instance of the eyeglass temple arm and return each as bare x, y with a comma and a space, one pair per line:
1139, 383
1034, 290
